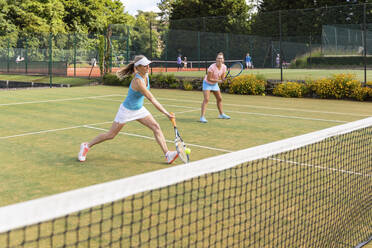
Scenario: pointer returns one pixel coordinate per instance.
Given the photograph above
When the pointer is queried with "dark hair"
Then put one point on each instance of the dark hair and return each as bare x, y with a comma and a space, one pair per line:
220, 53
129, 69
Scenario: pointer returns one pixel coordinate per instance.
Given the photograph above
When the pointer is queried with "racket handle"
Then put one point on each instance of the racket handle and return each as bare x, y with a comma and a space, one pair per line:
173, 120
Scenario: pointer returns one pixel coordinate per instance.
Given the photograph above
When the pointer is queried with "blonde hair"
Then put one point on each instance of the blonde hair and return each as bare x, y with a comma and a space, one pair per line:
129, 69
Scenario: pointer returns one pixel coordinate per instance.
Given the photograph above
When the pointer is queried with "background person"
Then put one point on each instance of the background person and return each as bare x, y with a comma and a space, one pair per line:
132, 109
248, 61
216, 74
179, 63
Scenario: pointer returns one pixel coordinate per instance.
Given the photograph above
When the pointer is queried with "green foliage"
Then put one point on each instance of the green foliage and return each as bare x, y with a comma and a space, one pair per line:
112, 79
291, 89
247, 85
161, 80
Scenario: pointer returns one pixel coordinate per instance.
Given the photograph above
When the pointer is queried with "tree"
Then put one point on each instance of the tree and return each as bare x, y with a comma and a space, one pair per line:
93, 16
210, 15
141, 34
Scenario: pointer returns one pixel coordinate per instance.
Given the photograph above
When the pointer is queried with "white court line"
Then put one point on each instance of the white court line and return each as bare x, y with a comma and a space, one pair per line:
264, 107
193, 101
321, 167
152, 138
286, 116
250, 113
58, 100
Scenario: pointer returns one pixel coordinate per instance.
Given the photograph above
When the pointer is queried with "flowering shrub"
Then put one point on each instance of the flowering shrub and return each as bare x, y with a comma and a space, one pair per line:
187, 86
291, 89
247, 85
339, 86
362, 93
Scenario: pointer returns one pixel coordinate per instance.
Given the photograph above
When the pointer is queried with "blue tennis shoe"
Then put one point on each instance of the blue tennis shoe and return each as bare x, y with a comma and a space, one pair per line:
223, 116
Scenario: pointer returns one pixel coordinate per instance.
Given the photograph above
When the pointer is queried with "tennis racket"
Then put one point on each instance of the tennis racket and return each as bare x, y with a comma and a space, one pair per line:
180, 145
234, 70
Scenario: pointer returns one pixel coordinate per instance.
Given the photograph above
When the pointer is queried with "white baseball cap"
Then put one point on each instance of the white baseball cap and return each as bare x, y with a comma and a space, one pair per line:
144, 61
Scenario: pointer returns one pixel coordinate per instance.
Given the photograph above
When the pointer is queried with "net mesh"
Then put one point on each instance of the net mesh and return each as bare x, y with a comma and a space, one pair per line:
314, 195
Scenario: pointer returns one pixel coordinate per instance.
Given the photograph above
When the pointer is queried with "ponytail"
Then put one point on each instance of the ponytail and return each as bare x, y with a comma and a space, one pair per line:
129, 69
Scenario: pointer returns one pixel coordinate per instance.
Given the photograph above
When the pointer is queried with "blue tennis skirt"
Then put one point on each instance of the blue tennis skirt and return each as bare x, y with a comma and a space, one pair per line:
211, 87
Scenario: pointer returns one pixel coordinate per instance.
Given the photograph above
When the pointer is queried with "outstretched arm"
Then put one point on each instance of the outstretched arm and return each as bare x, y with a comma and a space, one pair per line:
141, 88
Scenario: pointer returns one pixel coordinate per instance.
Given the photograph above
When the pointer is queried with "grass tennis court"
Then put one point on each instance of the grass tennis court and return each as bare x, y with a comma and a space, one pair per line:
41, 130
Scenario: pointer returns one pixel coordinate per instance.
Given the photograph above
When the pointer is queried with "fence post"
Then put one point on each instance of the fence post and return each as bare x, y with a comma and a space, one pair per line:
74, 54
128, 44
280, 46
310, 51
227, 45
8, 58
50, 60
151, 45
166, 50
26, 57
205, 58
199, 49
365, 43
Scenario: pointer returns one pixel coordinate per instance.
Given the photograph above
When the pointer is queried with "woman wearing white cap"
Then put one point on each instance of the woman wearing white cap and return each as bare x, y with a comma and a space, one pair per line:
132, 109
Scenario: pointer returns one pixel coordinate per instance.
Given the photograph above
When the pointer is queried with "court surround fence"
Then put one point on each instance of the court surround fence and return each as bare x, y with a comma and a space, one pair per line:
281, 39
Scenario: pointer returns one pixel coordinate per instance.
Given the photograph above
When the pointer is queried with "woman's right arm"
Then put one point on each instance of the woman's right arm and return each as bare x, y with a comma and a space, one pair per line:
213, 81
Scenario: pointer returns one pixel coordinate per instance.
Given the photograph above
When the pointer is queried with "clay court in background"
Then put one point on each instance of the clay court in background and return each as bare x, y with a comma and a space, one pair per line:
95, 72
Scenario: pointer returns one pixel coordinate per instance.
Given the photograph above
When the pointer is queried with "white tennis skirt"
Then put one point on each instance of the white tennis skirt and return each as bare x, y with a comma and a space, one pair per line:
125, 115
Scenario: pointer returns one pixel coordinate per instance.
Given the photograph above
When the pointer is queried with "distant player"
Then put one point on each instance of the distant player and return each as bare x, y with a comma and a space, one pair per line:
216, 74
277, 60
132, 109
179, 63
185, 62
248, 61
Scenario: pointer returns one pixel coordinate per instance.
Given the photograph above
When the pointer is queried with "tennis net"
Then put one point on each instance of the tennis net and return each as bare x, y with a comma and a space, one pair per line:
165, 66
312, 190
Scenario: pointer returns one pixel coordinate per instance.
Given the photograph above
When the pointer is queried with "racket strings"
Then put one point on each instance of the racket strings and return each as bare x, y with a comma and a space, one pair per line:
235, 69
181, 149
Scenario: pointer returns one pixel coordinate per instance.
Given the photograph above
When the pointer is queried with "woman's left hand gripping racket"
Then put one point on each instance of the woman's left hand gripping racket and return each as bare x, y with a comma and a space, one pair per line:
180, 145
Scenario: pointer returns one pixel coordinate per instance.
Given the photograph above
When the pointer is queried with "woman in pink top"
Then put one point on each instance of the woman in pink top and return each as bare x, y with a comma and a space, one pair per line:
216, 74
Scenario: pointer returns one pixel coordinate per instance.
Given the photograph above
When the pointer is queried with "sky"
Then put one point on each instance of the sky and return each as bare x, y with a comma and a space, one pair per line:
131, 6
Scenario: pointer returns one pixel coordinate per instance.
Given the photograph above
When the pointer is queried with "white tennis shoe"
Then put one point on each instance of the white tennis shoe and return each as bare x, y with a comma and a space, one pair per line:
171, 156
84, 148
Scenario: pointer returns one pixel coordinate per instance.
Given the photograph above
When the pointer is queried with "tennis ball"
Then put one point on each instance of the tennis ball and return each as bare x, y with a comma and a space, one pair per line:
263, 94
187, 151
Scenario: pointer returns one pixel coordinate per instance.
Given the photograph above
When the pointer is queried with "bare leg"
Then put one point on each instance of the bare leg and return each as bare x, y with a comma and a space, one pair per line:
206, 94
114, 130
218, 96
151, 123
